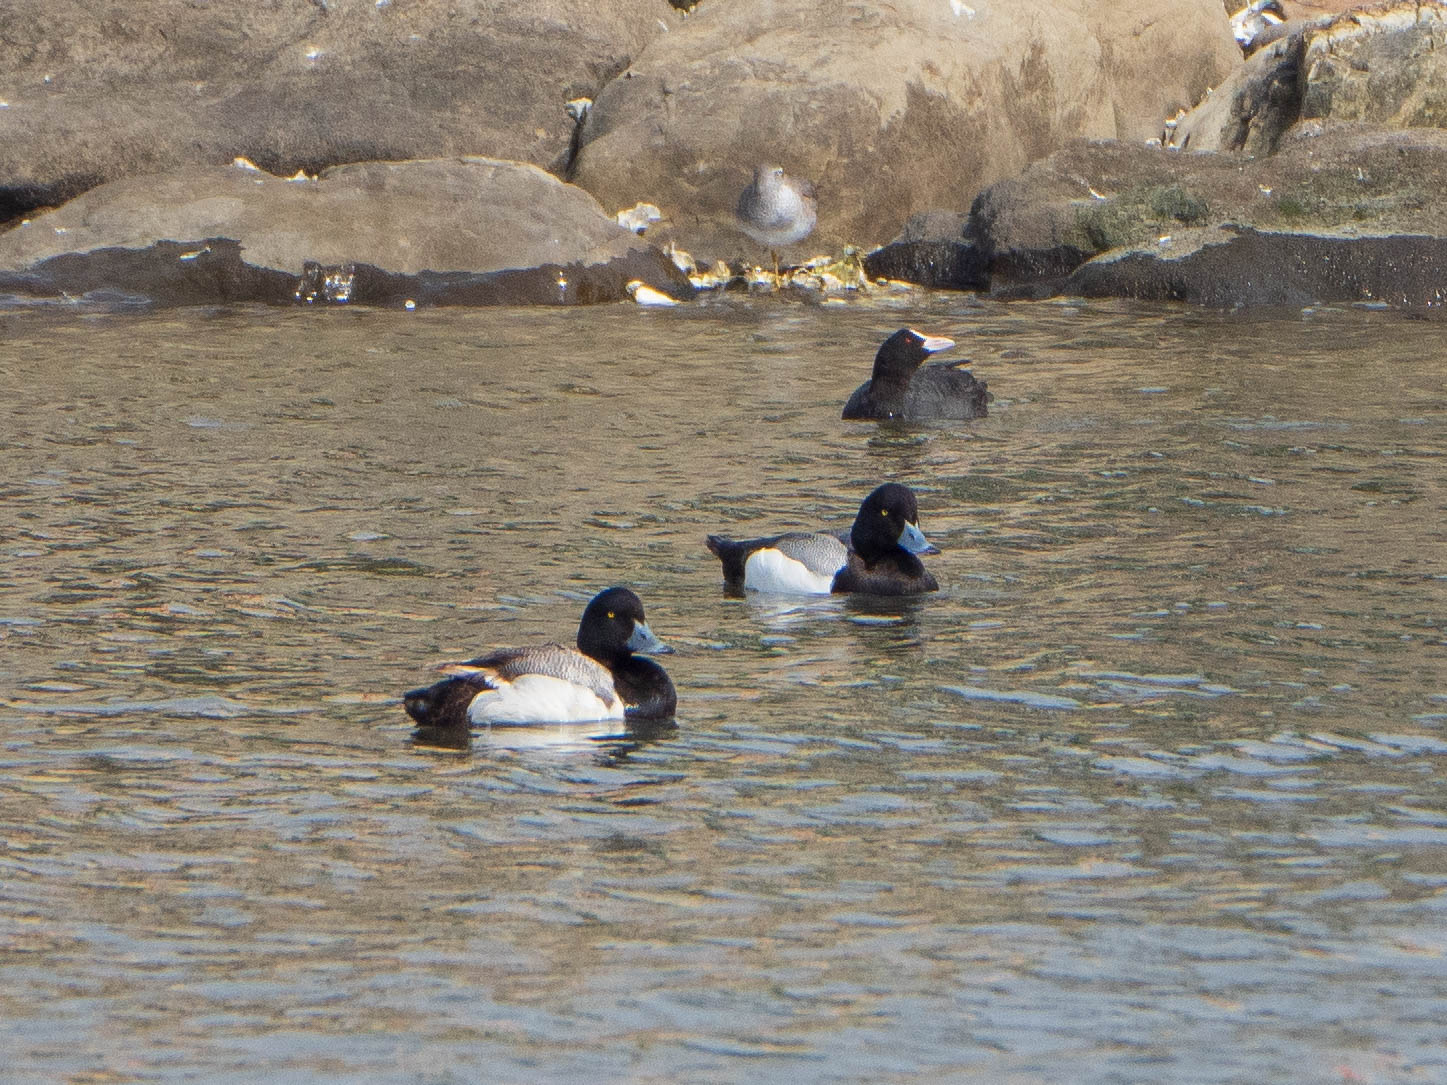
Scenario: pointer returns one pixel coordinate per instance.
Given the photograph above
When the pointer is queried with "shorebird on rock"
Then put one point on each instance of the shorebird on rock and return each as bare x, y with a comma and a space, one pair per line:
776, 210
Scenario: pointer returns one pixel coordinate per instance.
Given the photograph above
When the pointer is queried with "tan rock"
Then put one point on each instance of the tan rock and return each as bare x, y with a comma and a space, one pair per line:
96, 90
441, 231
887, 108
1383, 63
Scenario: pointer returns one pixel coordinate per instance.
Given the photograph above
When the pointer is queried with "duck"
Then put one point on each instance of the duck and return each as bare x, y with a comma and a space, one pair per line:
899, 388
601, 679
777, 210
881, 556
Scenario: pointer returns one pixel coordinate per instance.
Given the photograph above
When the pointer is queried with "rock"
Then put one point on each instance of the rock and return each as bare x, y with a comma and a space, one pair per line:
1093, 197
1236, 266
1277, 230
932, 250
96, 90
1384, 64
439, 232
886, 108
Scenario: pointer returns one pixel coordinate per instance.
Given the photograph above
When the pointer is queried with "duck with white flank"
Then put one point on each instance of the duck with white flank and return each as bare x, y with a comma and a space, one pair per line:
881, 557
599, 680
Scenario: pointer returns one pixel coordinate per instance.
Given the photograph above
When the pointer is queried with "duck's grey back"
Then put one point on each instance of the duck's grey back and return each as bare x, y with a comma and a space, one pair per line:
552, 660
820, 553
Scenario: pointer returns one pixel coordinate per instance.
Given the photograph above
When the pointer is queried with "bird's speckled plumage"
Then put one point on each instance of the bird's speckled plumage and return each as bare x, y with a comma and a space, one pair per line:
776, 209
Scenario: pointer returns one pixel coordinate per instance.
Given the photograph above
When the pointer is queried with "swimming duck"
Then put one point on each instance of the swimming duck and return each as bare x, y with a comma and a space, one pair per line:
880, 558
550, 683
776, 210
899, 388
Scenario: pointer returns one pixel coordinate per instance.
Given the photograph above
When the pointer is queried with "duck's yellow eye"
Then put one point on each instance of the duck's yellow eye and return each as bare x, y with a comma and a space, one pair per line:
612, 615
884, 512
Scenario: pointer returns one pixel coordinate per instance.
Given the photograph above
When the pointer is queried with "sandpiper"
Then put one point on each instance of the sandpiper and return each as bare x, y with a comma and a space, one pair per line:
776, 209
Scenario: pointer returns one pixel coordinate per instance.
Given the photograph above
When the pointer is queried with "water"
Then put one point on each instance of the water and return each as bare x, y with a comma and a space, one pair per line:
1151, 791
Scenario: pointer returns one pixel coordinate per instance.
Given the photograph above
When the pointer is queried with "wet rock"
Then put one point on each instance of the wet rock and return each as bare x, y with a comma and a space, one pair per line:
463, 231
1093, 197
1236, 266
932, 250
1383, 64
96, 90
886, 108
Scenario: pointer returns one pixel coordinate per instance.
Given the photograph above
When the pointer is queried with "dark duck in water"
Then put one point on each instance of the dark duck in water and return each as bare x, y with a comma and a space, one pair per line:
900, 388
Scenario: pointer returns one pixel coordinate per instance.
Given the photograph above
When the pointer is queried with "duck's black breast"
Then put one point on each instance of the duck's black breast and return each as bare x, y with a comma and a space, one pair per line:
646, 689
862, 404
896, 573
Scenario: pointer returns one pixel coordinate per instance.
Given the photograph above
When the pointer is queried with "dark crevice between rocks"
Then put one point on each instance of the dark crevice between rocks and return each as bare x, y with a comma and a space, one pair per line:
338, 154
1269, 106
23, 200
941, 265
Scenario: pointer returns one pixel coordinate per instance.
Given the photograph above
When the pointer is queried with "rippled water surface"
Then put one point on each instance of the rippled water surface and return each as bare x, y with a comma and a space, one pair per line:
1151, 791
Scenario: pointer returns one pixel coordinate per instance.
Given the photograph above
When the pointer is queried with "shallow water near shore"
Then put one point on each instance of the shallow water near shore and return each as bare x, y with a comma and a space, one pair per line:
1152, 790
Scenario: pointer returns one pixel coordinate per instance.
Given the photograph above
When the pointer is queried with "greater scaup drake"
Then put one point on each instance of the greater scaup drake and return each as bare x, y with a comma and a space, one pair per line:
549, 683
899, 388
880, 558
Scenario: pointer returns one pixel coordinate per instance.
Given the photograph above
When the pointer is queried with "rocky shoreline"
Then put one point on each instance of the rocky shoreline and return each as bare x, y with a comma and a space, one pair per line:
400, 153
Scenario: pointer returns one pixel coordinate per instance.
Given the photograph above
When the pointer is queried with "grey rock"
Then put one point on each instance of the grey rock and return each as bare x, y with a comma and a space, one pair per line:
442, 231
1108, 217
97, 90
1091, 198
1383, 64
1236, 267
888, 108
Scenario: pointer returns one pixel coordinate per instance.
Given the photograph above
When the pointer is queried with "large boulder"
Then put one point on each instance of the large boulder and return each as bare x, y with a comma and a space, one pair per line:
1340, 212
95, 90
1090, 198
1238, 267
888, 108
1384, 64
443, 231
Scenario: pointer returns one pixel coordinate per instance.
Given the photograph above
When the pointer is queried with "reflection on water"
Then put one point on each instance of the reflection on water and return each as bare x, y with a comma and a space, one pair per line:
1150, 791
611, 738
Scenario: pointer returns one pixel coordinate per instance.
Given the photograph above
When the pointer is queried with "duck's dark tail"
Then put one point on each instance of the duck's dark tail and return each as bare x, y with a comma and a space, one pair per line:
444, 703
440, 711
980, 396
733, 555
967, 391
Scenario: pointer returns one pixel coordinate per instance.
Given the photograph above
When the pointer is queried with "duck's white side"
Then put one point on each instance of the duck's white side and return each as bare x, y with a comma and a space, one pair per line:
772, 570
540, 698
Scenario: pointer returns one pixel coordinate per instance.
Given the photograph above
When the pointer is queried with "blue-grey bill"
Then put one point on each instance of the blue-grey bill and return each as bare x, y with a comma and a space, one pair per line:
913, 540
644, 641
